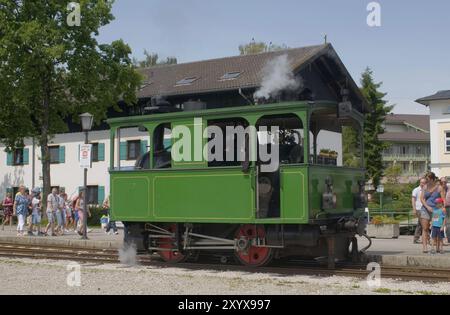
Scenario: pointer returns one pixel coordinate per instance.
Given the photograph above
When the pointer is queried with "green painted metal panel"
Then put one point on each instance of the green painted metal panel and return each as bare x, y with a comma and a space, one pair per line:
130, 196
345, 185
210, 195
294, 193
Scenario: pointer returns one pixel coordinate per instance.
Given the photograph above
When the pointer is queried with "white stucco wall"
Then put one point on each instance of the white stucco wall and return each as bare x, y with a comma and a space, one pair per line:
439, 122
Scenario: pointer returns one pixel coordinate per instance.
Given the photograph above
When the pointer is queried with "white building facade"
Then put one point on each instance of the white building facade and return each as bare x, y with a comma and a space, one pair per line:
24, 167
439, 105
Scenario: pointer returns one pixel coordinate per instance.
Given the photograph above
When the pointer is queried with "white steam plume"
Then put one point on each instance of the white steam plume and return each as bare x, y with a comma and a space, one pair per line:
127, 255
277, 77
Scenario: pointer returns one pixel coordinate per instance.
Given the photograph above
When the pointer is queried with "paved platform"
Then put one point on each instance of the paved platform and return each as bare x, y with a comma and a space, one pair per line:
97, 239
403, 252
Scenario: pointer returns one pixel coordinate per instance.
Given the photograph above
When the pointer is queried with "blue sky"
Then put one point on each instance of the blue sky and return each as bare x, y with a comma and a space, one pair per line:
409, 53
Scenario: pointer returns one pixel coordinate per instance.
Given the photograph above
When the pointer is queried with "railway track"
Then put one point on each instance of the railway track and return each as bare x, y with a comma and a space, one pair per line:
110, 256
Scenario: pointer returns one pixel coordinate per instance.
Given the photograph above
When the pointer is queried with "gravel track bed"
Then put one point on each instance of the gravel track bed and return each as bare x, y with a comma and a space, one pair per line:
27, 276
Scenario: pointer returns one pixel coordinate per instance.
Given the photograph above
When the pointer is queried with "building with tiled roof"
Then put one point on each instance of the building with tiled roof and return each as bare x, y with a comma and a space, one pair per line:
408, 137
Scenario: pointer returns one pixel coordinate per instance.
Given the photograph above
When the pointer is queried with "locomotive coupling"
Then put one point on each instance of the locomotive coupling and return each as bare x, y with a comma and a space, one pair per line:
356, 225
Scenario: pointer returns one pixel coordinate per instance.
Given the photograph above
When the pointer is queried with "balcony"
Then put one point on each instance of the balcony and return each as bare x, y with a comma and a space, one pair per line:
406, 157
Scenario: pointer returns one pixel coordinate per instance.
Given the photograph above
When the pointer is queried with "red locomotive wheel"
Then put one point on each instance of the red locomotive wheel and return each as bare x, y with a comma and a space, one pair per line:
254, 256
169, 243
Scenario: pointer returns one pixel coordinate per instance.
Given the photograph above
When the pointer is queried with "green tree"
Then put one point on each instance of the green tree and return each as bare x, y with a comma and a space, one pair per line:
152, 59
53, 70
374, 126
351, 151
259, 47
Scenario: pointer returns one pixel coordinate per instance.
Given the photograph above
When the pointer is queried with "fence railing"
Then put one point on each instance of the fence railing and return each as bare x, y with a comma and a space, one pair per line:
405, 217
406, 157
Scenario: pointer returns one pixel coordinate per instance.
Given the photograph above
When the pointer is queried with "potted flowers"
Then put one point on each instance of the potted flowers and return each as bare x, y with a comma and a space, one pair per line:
383, 227
327, 157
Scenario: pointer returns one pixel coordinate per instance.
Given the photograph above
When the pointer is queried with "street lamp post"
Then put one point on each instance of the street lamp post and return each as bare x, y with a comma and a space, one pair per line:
86, 124
380, 190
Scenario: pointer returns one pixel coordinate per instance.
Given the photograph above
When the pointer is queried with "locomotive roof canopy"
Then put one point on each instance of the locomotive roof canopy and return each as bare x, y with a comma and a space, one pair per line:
317, 65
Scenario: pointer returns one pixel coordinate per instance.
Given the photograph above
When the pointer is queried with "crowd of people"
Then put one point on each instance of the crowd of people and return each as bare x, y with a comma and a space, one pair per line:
431, 205
64, 214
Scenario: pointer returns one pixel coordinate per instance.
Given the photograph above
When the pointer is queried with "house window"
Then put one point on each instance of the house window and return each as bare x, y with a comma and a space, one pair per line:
133, 149
95, 152
54, 154
18, 157
92, 195
404, 150
447, 141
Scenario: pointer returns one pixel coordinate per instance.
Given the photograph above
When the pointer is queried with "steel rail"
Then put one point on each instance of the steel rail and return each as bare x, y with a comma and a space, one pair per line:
110, 256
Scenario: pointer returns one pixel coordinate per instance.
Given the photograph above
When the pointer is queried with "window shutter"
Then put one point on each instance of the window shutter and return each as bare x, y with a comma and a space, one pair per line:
101, 152
9, 158
26, 156
62, 154
144, 145
123, 151
101, 194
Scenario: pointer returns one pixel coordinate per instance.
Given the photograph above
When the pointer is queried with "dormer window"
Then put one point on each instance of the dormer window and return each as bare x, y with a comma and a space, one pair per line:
145, 84
186, 81
230, 76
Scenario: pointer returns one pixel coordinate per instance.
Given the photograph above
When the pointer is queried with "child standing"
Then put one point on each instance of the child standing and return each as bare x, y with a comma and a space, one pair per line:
36, 212
438, 221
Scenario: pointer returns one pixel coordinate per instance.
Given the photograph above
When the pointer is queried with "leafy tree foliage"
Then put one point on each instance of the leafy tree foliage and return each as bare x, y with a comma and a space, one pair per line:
52, 71
152, 59
373, 128
259, 47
